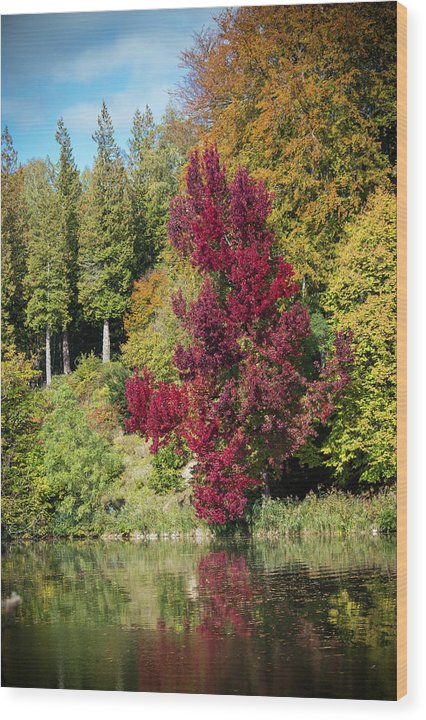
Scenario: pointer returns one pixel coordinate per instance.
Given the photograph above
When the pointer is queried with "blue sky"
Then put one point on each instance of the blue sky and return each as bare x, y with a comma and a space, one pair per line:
64, 64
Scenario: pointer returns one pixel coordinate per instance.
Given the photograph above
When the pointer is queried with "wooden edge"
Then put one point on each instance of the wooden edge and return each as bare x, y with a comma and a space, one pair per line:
401, 17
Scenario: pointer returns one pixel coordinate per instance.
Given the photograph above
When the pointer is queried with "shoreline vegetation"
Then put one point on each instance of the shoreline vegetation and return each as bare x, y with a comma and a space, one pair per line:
333, 514
201, 329
130, 494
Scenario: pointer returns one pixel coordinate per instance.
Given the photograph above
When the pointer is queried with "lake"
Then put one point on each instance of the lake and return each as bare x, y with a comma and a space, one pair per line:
302, 617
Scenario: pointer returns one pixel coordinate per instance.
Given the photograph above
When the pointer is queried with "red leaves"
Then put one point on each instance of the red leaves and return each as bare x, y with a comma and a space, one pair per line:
139, 392
154, 413
245, 404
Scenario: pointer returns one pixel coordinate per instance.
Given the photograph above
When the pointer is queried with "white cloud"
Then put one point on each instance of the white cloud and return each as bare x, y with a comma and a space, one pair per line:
133, 52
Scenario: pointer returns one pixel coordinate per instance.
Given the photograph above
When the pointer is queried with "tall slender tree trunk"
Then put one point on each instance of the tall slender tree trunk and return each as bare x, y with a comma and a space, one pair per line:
266, 490
66, 352
48, 358
106, 343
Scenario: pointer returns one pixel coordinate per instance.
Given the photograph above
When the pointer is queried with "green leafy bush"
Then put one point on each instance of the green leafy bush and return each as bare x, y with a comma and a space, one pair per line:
24, 502
167, 474
79, 465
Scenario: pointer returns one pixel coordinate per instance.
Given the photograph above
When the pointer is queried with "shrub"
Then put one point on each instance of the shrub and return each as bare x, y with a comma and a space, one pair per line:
167, 475
79, 465
101, 388
24, 503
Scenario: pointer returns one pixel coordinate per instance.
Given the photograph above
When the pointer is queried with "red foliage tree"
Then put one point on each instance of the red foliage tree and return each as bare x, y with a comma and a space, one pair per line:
245, 404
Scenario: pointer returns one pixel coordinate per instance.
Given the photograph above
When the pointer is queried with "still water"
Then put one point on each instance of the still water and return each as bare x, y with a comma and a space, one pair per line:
304, 618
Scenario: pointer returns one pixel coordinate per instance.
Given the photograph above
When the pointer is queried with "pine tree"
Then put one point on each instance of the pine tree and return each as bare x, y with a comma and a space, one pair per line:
47, 282
154, 166
68, 188
105, 253
14, 218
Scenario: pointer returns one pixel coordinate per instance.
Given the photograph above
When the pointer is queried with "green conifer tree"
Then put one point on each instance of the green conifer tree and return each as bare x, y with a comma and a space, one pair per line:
14, 217
47, 281
68, 188
105, 253
154, 167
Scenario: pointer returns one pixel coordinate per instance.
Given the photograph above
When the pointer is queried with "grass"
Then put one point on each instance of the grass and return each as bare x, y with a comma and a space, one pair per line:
335, 513
140, 511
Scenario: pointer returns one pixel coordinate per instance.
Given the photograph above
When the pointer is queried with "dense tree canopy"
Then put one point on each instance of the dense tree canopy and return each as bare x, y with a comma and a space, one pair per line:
260, 310
14, 219
47, 280
305, 97
362, 297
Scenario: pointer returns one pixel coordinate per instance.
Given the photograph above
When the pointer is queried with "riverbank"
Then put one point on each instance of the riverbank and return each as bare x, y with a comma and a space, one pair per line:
335, 513
76, 473
172, 518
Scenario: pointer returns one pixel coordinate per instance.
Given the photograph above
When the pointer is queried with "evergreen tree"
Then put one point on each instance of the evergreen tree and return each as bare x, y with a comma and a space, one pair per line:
47, 281
68, 188
154, 166
14, 218
105, 241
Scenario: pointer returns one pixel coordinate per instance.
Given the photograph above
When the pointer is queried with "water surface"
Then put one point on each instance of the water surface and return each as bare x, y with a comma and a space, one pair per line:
310, 618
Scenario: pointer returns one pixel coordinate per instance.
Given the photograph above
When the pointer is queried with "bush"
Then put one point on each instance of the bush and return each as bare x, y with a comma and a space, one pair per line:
167, 475
151, 513
100, 387
24, 503
79, 465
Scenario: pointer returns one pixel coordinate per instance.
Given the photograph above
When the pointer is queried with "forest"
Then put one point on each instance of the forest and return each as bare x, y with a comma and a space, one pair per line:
199, 331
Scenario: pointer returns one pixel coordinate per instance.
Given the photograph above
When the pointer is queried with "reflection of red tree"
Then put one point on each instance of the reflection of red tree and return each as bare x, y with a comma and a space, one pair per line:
225, 589
195, 662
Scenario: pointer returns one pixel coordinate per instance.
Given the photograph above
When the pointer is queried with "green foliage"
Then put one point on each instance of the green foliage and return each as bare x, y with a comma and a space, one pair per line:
152, 327
362, 298
105, 240
68, 188
79, 465
167, 475
92, 378
336, 513
47, 282
152, 513
23, 479
155, 163
14, 221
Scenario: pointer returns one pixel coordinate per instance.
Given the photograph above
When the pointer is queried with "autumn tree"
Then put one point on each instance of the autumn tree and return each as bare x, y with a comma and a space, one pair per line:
362, 297
105, 238
68, 188
244, 404
47, 282
305, 97
14, 221
151, 326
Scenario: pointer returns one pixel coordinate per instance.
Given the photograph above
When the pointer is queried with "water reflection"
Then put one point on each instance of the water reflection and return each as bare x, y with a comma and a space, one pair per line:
307, 618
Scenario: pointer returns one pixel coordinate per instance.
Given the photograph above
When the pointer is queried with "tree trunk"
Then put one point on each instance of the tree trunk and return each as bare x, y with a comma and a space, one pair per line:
66, 352
106, 344
266, 489
48, 358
